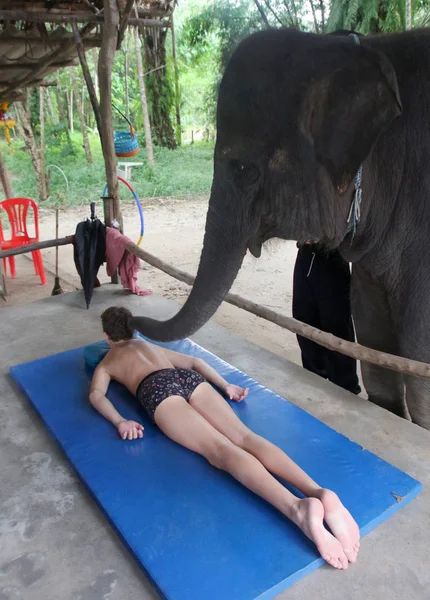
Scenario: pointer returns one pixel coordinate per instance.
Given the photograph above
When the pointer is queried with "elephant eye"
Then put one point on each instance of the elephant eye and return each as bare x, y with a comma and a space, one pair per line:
245, 172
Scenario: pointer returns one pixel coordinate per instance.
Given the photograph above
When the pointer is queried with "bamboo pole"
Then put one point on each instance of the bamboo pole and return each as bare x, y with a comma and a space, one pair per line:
36, 246
352, 349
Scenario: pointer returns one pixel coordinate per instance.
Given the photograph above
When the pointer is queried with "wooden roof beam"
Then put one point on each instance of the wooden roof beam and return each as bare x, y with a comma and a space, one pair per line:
49, 16
18, 66
72, 8
93, 41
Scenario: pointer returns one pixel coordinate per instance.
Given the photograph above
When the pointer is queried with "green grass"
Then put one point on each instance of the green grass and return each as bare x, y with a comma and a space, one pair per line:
185, 171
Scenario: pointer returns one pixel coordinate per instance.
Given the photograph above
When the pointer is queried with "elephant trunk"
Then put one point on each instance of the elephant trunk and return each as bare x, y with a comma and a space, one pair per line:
222, 256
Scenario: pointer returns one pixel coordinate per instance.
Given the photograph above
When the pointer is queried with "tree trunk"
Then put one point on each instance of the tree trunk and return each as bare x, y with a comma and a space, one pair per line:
127, 96
317, 28
80, 111
54, 119
105, 63
262, 13
70, 109
291, 20
322, 16
5, 179
278, 19
296, 17
96, 76
60, 106
160, 93
143, 100
26, 131
177, 95
42, 149
408, 14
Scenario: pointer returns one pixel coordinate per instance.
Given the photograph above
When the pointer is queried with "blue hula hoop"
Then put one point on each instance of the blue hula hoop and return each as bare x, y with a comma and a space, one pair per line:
139, 207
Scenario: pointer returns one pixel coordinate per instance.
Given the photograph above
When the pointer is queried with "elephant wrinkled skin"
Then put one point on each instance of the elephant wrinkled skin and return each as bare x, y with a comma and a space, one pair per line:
297, 115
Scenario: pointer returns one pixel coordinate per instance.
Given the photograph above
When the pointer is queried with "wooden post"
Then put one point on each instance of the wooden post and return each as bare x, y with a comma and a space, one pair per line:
5, 179
3, 285
112, 209
177, 96
143, 101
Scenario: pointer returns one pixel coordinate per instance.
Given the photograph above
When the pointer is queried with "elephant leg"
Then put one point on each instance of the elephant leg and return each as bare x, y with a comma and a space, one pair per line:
414, 344
417, 400
375, 329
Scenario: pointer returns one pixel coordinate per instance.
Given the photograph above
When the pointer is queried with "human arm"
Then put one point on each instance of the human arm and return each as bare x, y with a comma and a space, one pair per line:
99, 386
183, 361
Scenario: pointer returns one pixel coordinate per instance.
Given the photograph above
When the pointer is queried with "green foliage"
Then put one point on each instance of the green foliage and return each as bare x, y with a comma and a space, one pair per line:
231, 21
205, 42
57, 136
185, 171
376, 16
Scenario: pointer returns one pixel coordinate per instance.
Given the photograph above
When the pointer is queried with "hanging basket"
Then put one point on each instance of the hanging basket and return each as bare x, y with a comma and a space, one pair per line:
126, 144
125, 141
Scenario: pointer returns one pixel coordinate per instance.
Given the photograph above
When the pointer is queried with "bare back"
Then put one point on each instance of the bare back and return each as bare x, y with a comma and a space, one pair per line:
131, 361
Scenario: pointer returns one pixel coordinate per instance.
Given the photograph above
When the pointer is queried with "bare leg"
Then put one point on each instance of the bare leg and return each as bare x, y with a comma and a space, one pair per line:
184, 425
217, 412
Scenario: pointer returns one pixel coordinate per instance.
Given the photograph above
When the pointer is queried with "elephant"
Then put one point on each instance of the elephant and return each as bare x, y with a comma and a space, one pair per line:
299, 116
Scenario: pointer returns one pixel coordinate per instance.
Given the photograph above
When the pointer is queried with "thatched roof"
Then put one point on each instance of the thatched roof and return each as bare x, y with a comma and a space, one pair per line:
36, 37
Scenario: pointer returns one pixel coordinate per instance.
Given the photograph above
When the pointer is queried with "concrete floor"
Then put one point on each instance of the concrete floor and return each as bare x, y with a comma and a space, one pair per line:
55, 543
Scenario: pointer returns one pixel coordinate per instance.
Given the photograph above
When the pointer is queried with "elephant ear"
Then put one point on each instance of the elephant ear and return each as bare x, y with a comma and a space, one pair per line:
347, 111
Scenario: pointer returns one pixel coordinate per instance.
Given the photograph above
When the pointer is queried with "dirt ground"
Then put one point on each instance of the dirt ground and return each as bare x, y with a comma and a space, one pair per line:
174, 231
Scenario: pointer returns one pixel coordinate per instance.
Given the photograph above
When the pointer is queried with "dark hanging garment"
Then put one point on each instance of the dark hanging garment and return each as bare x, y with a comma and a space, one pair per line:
89, 252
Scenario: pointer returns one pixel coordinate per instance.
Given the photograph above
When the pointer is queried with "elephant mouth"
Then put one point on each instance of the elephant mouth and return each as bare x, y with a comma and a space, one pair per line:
255, 244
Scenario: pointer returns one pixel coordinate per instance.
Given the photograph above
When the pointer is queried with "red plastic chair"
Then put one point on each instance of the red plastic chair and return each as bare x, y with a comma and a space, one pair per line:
16, 210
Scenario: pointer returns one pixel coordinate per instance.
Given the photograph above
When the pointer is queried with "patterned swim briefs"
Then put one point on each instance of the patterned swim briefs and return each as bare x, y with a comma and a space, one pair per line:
159, 385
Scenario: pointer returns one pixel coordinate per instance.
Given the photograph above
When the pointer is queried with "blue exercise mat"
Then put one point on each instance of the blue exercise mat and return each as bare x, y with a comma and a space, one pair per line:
197, 533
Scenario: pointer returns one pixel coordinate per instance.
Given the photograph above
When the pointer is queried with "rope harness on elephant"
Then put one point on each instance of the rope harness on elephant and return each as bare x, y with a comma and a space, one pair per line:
354, 214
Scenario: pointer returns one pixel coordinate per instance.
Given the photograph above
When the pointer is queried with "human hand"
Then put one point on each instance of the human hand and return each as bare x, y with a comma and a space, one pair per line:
130, 430
234, 392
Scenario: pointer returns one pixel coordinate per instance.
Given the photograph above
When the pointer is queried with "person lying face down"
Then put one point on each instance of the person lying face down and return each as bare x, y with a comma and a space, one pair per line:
174, 389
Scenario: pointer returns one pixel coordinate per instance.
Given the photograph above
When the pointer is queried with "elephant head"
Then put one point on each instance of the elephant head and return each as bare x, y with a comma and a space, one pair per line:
297, 115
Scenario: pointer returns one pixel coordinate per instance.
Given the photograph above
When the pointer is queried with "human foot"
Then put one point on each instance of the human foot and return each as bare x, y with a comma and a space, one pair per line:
341, 523
308, 514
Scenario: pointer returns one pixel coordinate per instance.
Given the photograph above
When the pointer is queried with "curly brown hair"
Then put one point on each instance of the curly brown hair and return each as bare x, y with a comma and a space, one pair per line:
116, 323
